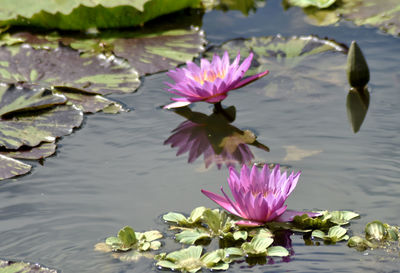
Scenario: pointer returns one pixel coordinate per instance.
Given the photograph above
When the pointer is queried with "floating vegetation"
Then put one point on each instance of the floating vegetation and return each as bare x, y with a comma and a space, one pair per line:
22, 267
238, 243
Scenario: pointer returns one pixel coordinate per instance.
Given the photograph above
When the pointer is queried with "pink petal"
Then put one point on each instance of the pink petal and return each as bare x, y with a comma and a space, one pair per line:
250, 79
249, 223
220, 201
288, 215
177, 104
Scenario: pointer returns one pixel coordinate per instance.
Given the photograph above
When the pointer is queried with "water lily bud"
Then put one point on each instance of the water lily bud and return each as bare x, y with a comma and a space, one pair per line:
357, 68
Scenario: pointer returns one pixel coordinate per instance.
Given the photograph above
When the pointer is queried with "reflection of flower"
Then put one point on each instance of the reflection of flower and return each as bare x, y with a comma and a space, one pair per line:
211, 81
259, 195
196, 139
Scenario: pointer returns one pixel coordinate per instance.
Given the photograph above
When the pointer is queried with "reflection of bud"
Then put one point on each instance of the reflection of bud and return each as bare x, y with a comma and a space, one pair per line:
357, 106
357, 68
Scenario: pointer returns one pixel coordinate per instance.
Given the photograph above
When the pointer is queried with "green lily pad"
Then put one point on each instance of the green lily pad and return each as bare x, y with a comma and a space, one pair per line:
85, 14
10, 167
18, 99
39, 152
298, 65
382, 14
64, 67
91, 103
180, 219
32, 128
22, 267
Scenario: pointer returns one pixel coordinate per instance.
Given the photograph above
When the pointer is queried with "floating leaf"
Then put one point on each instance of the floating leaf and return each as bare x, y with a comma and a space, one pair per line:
91, 103
335, 234
360, 243
39, 152
127, 236
257, 246
85, 14
18, 99
180, 219
342, 217
191, 236
64, 67
190, 260
46, 125
307, 3
277, 251
240, 235
375, 230
10, 167
299, 64
22, 267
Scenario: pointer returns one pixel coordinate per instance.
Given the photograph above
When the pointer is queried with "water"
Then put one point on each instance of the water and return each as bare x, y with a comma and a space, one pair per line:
115, 170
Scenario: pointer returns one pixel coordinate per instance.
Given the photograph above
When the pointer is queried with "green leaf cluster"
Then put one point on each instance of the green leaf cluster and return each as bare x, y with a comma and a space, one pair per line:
128, 239
377, 235
335, 234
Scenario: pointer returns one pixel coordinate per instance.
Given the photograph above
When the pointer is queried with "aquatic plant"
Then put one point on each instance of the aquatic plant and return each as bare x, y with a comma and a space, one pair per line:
259, 195
209, 82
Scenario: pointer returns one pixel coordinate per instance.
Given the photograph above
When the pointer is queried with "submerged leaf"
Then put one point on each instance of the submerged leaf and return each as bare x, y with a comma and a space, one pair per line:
10, 167
46, 125
64, 67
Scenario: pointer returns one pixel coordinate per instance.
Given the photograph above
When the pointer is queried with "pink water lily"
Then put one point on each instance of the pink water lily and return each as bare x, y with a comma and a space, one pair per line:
210, 82
259, 196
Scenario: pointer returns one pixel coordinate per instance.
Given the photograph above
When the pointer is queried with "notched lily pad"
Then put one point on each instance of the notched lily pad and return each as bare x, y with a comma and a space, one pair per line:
22, 267
39, 152
298, 65
10, 167
90, 103
20, 98
32, 128
64, 67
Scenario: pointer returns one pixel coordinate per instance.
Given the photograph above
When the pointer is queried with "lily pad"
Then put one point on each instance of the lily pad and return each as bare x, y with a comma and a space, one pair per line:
90, 103
22, 267
9, 168
299, 65
335, 234
84, 14
64, 67
46, 125
382, 14
18, 99
39, 152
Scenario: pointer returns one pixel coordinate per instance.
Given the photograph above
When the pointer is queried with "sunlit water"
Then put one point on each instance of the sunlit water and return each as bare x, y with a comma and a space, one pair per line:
115, 170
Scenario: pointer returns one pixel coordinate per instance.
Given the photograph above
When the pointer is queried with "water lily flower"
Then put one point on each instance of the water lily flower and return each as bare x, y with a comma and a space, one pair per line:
210, 82
259, 196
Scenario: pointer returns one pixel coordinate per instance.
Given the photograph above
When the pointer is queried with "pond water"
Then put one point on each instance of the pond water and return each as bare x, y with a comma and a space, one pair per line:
116, 171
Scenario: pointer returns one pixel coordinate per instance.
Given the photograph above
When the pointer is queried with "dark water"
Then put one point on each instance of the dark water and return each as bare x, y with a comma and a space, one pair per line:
115, 170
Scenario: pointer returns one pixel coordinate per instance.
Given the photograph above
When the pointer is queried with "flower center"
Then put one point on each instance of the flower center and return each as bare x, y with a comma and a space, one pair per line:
209, 76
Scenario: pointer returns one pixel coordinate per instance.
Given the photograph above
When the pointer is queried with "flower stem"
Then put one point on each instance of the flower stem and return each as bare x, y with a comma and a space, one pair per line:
220, 110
